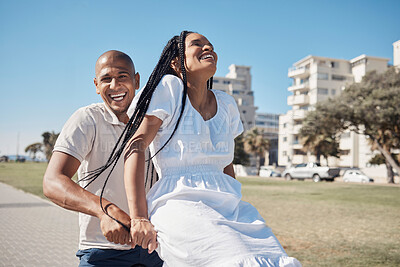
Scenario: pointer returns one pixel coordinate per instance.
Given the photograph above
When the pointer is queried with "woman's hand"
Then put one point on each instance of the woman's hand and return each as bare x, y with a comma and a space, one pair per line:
143, 234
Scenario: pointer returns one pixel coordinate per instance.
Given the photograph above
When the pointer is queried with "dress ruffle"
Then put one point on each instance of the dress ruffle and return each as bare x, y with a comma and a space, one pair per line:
260, 261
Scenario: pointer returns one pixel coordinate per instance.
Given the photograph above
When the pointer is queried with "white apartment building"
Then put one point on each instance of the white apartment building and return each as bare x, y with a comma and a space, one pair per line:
315, 79
237, 83
396, 54
269, 123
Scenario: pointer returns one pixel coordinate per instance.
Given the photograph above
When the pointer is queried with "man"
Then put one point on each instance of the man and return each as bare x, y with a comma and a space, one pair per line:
84, 144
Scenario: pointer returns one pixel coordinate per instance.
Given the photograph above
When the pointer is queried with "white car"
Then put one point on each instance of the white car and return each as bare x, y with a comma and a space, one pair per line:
268, 172
356, 176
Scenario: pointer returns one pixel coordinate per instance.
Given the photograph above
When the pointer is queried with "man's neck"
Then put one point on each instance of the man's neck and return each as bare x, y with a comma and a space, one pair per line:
123, 118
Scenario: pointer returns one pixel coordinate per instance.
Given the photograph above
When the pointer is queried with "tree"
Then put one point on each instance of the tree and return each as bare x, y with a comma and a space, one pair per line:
374, 110
49, 140
255, 143
320, 131
240, 156
33, 149
371, 108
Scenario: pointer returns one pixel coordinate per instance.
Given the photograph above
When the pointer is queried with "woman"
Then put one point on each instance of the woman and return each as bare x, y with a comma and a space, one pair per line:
195, 207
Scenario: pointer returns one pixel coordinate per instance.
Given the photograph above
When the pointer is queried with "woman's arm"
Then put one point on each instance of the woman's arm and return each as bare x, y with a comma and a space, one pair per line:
142, 231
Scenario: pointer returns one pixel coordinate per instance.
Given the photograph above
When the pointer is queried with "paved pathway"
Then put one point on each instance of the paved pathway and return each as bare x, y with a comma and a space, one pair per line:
35, 232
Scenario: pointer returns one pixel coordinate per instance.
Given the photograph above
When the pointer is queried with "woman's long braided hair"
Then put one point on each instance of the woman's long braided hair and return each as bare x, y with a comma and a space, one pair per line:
174, 48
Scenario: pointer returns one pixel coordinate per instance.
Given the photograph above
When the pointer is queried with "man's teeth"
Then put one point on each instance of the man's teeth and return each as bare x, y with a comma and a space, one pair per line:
118, 97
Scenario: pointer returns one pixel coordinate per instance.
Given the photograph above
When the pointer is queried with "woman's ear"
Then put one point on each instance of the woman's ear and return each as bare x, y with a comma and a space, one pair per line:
176, 65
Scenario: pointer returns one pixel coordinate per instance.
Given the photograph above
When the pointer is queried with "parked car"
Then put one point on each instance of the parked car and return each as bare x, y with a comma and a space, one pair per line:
269, 172
356, 176
311, 170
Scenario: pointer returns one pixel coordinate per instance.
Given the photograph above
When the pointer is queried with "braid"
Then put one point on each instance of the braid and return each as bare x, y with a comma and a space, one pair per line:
174, 48
181, 48
210, 83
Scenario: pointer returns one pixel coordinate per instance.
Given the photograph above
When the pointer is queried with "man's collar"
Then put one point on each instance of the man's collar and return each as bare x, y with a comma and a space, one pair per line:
110, 116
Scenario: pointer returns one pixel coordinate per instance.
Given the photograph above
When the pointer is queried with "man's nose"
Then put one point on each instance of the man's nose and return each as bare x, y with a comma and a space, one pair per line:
114, 83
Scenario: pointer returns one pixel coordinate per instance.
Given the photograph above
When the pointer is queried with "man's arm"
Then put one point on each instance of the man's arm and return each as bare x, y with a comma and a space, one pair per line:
59, 188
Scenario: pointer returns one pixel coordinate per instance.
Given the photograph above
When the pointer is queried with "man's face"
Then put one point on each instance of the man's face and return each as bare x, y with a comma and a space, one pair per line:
116, 82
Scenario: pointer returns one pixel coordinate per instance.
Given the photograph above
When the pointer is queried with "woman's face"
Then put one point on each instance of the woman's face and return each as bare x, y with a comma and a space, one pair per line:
200, 57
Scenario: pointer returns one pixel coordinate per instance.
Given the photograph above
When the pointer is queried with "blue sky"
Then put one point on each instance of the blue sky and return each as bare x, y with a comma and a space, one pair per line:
48, 48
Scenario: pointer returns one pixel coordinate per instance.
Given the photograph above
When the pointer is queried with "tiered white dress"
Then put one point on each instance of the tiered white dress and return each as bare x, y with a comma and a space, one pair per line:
195, 207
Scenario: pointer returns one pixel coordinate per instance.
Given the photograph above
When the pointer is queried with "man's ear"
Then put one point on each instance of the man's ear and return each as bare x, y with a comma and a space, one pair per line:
137, 80
95, 84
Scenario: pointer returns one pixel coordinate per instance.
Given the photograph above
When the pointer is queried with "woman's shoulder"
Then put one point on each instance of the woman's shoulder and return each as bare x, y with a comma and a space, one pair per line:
224, 98
170, 80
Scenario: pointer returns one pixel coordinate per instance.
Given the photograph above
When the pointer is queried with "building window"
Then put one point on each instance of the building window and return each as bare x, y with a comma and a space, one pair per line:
285, 125
304, 107
215, 81
361, 61
299, 152
236, 92
244, 111
334, 64
250, 93
322, 91
345, 152
333, 91
345, 135
323, 76
338, 77
284, 153
226, 82
285, 139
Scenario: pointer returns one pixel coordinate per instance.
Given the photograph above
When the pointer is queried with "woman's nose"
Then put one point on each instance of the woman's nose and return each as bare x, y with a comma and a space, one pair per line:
207, 47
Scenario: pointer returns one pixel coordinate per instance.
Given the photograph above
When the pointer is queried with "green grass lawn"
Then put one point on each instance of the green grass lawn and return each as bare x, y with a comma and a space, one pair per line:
321, 224
331, 224
27, 176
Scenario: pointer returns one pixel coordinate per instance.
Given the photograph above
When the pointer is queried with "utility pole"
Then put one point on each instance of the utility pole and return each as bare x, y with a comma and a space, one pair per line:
17, 146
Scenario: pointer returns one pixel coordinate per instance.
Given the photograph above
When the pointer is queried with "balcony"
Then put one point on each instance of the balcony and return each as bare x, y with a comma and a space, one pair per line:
298, 100
297, 145
299, 114
297, 159
298, 87
298, 72
296, 129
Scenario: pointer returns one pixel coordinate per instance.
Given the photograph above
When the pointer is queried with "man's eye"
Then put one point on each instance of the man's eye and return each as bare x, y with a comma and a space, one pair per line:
105, 80
123, 76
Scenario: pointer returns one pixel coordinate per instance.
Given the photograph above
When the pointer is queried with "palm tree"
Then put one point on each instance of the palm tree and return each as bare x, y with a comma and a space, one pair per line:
49, 140
255, 143
34, 148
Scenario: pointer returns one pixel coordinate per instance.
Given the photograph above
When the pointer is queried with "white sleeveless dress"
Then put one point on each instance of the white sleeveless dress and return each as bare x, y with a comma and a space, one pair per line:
195, 207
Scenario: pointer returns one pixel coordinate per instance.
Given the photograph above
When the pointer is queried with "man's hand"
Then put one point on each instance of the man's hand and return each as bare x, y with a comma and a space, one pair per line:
143, 234
112, 230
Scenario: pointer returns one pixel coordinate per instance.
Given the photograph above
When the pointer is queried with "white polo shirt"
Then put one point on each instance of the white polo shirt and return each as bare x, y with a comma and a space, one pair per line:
90, 135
